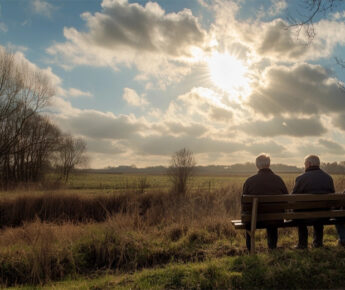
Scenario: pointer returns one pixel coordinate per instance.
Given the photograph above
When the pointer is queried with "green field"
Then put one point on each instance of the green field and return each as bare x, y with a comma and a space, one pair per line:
120, 182
132, 181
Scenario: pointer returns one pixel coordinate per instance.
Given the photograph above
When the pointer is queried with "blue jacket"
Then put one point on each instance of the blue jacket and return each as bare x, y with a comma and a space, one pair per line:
314, 180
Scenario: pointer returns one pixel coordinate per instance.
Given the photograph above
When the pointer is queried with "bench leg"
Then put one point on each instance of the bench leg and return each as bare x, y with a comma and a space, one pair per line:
253, 225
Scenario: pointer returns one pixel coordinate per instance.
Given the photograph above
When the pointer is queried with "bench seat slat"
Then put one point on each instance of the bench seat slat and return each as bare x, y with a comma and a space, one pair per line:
238, 225
294, 197
279, 206
296, 215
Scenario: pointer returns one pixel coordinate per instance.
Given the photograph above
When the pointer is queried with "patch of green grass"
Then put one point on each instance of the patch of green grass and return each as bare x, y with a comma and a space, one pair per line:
279, 269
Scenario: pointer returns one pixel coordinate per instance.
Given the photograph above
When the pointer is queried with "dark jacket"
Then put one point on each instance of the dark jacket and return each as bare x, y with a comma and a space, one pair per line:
314, 180
265, 182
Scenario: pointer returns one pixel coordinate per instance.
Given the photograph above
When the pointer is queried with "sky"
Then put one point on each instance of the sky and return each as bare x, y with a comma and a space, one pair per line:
139, 80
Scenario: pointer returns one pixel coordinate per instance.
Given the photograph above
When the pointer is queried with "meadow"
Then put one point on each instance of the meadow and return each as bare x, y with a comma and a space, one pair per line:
103, 231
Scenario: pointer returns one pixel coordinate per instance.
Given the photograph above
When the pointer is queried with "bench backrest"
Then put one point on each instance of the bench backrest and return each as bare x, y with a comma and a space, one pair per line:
293, 206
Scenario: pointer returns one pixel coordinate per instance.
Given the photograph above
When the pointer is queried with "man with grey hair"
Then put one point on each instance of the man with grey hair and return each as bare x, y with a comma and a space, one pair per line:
265, 182
313, 180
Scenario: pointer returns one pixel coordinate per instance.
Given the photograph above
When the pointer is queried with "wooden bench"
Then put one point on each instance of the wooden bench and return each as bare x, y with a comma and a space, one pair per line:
288, 210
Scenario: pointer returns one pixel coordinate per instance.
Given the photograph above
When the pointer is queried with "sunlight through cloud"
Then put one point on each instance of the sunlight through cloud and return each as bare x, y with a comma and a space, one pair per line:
229, 74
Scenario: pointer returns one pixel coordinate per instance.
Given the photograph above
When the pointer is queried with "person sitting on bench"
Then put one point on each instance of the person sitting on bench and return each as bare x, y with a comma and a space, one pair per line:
263, 183
313, 180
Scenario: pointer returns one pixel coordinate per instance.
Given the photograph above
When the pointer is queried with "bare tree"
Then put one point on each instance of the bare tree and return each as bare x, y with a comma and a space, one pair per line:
25, 136
182, 168
71, 153
21, 90
308, 11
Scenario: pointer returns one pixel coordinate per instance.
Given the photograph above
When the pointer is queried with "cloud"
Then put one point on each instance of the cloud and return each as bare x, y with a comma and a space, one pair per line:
339, 121
157, 43
300, 89
273, 39
54, 80
206, 103
270, 147
12, 47
133, 26
166, 145
43, 8
278, 41
331, 146
103, 146
3, 27
324, 147
220, 114
132, 98
277, 7
96, 124
193, 129
297, 127
31, 69
73, 92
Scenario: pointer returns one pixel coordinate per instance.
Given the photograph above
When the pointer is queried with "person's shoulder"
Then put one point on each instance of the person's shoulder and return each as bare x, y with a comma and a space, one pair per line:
301, 176
325, 173
276, 176
251, 178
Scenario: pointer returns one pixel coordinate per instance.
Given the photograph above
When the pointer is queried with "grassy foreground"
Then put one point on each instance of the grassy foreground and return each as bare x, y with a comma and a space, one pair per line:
279, 269
153, 239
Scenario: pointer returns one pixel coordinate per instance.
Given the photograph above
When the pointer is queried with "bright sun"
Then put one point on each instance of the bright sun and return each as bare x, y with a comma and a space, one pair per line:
229, 74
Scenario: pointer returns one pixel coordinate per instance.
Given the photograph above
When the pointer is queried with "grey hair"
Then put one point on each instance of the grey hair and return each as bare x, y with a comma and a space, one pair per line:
263, 161
313, 160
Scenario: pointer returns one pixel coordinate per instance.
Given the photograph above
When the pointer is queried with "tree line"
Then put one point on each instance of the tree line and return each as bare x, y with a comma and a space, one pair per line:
30, 144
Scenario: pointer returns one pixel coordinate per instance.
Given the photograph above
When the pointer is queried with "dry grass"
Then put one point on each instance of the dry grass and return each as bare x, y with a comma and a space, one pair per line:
51, 236
151, 208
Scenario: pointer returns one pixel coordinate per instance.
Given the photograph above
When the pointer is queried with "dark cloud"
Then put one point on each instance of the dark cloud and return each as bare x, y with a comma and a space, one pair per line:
279, 41
303, 88
165, 145
298, 127
339, 121
220, 114
322, 147
331, 146
193, 129
95, 124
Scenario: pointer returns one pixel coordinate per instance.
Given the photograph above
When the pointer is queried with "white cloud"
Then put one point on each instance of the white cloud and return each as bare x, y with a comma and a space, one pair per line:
206, 103
73, 92
43, 7
132, 98
99, 125
104, 146
3, 27
274, 39
156, 43
12, 47
277, 7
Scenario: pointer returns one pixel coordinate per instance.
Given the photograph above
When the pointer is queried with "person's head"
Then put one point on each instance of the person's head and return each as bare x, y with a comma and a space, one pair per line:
311, 160
263, 161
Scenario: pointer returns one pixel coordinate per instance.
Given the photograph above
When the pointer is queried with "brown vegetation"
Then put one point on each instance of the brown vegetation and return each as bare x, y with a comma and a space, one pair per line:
152, 208
53, 236
133, 231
